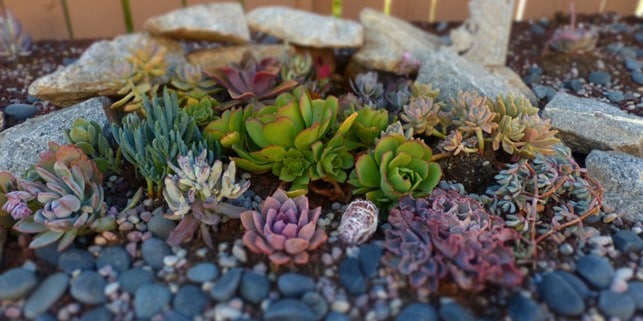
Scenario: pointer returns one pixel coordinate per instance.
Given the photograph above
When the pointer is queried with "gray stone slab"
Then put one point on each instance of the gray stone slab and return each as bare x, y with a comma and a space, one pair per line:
621, 176
222, 22
305, 28
212, 59
21, 145
586, 124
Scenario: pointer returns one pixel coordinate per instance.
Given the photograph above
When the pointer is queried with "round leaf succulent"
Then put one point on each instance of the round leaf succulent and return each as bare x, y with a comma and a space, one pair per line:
396, 167
285, 229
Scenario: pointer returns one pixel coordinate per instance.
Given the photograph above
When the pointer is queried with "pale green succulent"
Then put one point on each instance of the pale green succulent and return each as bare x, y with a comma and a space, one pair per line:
88, 136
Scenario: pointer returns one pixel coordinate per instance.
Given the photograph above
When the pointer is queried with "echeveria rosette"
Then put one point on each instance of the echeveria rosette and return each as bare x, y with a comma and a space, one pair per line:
395, 168
229, 129
368, 125
294, 167
285, 229
331, 161
17, 198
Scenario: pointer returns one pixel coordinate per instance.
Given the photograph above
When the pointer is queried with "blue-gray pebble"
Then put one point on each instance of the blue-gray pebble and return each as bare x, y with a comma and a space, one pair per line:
160, 226
175, 316
47, 293
369, 259
596, 270
576, 283
560, 296
49, 253
75, 259
89, 288
289, 310
150, 299
20, 111
336, 316
525, 309
115, 256
455, 312
615, 96
98, 314
599, 77
294, 285
254, 287
190, 300
203, 272
132, 279
637, 77
618, 305
351, 278
316, 303
417, 312
227, 285
627, 241
153, 251
16, 283
635, 291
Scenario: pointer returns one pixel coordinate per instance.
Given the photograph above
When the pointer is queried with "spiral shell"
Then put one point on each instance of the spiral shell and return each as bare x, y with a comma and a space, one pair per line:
359, 222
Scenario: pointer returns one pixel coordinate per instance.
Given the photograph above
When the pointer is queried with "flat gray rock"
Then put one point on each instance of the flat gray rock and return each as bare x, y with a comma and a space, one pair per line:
21, 145
222, 22
586, 124
451, 73
305, 28
212, 59
387, 38
47, 293
1, 120
96, 72
484, 37
621, 176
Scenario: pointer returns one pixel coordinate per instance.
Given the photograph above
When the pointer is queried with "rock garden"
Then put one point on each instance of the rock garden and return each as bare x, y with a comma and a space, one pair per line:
281, 165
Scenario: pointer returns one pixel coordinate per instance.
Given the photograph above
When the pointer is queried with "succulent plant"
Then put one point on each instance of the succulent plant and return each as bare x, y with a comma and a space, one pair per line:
88, 136
574, 39
202, 110
424, 90
368, 89
397, 95
539, 138
72, 197
13, 42
448, 235
199, 188
395, 168
166, 133
17, 199
192, 84
422, 115
297, 67
359, 222
285, 229
367, 126
229, 129
511, 106
473, 117
251, 81
556, 183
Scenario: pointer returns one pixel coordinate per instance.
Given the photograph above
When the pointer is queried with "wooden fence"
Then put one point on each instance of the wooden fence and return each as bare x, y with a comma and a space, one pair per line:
64, 19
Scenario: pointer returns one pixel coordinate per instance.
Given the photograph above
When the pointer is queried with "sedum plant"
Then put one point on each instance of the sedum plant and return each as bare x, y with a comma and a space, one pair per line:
229, 129
421, 115
450, 236
199, 189
202, 110
149, 143
395, 168
192, 85
88, 136
368, 89
70, 191
285, 229
13, 42
251, 81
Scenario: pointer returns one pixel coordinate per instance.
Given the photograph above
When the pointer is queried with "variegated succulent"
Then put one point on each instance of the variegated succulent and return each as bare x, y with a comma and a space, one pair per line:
88, 136
199, 188
422, 115
230, 128
285, 229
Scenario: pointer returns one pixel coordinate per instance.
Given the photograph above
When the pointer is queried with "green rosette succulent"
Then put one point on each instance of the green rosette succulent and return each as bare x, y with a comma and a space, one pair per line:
368, 125
202, 110
331, 161
294, 167
88, 136
229, 129
395, 168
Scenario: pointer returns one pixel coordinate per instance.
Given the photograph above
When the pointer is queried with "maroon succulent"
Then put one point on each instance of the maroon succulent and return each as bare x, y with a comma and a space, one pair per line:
448, 234
285, 229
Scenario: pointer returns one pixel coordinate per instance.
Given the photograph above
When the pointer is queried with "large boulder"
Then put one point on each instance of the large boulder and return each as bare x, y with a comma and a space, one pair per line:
451, 73
96, 73
222, 22
621, 176
21, 145
212, 59
586, 124
304, 28
388, 38
484, 37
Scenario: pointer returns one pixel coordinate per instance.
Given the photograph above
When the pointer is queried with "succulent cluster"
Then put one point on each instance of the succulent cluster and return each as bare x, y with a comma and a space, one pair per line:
167, 132
200, 188
88, 136
448, 236
528, 191
252, 81
312, 73
574, 38
69, 189
192, 86
14, 42
285, 229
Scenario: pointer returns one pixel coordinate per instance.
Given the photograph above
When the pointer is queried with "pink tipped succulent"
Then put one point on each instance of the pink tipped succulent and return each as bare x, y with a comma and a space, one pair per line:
285, 229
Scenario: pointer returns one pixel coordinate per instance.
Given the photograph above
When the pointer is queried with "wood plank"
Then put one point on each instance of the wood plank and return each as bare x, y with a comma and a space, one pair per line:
411, 10
351, 9
451, 10
193, 2
323, 7
623, 7
536, 9
42, 19
251, 4
105, 21
145, 9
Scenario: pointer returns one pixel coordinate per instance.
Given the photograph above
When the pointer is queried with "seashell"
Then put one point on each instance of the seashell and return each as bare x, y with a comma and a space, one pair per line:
359, 222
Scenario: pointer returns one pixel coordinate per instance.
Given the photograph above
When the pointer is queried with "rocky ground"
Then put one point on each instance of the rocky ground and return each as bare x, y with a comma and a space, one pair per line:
132, 274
